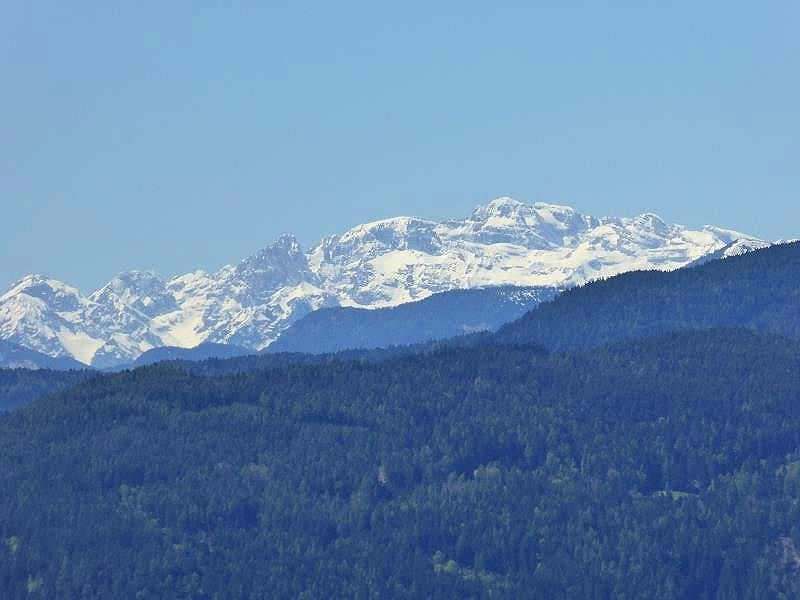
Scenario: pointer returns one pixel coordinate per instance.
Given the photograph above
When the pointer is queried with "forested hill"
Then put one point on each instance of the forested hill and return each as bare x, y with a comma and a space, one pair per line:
20, 386
198, 353
758, 290
216, 367
663, 462
668, 469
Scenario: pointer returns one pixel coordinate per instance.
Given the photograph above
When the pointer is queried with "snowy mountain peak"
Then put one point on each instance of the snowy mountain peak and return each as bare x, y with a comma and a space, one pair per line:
51, 291
737, 247
130, 285
142, 291
288, 243
379, 264
729, 236
285, 245
651, 219
137, 280
503, 208
553, 208
504, 205
279, 264
29, 280
37, 280
535, 226
378, 237
653, 224
377, 229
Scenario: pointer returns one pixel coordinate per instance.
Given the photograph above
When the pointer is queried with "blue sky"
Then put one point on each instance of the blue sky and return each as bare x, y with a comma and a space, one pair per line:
169, 136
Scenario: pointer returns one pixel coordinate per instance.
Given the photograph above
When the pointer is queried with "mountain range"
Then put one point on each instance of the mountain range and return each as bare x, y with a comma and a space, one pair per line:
638, 436
375, 265
13, 356
758, 291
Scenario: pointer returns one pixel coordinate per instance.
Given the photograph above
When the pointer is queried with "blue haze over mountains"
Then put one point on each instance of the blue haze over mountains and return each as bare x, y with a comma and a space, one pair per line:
441, 316
453, 471
521, 401
375, 265
218, 118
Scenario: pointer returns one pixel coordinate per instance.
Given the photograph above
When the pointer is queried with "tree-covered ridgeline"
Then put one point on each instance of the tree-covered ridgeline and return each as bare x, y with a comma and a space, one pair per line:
664, 468
759, 290
21, 386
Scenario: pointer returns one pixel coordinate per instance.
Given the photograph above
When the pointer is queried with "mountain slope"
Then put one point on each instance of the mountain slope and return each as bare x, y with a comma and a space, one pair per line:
440, 316
51, 317
735, 248
375, 265
666, 469
20, 386
201, 352
758, 290
13, 356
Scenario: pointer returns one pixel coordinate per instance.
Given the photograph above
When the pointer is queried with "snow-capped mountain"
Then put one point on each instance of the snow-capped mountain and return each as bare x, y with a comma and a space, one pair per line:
735, 248
379, 264
13, 356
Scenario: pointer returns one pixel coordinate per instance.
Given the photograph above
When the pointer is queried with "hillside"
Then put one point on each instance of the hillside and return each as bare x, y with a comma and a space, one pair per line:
198, 353
662, 422
19, 387
373, 265
759, 290
443, 315
482, 471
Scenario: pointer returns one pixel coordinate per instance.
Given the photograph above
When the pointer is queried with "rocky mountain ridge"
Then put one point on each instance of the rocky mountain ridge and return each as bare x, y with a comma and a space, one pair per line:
379, 264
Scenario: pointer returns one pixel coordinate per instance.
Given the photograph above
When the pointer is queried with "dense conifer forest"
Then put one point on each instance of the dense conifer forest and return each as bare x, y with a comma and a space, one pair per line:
667, 468
663, 465
21, 386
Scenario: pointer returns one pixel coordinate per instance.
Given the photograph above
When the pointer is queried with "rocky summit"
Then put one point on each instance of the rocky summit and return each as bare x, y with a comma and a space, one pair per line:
374, 265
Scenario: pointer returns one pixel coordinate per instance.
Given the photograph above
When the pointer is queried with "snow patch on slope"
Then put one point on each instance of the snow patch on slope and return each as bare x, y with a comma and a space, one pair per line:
374, 265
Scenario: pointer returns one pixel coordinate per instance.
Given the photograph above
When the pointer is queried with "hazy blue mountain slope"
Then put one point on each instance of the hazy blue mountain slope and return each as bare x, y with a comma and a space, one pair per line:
373, 265
266, 361
14, 356
440, 316
21, 386
201, 352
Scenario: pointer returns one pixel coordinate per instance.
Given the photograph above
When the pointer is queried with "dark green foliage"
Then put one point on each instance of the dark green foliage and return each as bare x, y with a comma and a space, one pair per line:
759, 290
669, 468
214, 367
201, 352
20, 386
437, 317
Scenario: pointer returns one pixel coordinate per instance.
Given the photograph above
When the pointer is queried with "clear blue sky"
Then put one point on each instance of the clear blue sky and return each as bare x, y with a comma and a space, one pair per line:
170, 136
